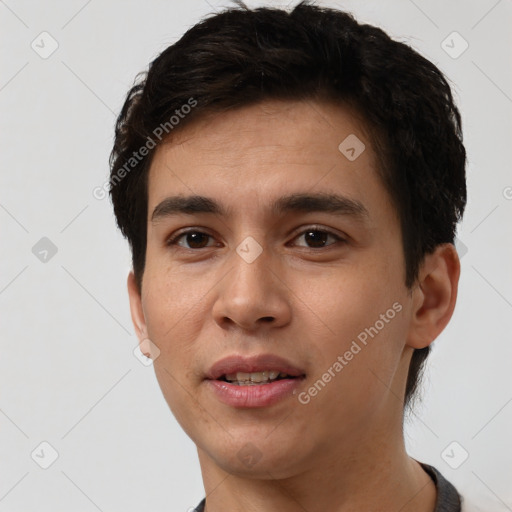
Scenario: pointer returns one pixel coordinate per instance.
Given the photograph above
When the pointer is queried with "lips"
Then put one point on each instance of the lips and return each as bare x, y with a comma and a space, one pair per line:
263, 362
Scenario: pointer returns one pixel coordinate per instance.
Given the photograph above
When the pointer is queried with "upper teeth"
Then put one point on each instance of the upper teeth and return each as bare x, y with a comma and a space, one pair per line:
255, 376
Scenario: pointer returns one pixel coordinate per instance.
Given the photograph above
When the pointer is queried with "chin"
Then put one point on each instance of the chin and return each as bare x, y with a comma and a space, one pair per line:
258, 457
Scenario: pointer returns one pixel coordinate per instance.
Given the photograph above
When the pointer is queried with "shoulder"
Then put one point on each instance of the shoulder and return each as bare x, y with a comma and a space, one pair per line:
200, 507
448, 498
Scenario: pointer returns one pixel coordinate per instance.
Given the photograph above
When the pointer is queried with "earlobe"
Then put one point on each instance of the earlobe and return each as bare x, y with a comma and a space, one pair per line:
435, 296
136, 311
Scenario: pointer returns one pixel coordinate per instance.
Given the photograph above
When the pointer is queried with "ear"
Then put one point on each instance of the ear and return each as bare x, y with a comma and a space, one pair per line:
137, 313
434, 296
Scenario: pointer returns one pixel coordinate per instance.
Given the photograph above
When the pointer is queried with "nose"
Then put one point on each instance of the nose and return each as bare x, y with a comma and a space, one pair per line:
253, 294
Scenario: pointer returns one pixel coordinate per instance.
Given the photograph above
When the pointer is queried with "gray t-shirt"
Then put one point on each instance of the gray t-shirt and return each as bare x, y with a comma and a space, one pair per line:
448, 499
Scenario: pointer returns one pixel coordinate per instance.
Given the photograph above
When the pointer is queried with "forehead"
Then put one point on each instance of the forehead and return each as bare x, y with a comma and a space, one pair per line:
256, 154
300, 126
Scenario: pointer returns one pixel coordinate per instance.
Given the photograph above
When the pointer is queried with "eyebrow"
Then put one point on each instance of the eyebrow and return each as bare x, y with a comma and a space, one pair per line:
299, 203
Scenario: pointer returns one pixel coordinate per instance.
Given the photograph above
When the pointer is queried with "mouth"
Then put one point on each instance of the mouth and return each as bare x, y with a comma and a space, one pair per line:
260, 368
255, 378
257, 381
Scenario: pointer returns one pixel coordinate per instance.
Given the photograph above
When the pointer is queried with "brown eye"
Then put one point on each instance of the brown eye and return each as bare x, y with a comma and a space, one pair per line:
316, 238
195, 239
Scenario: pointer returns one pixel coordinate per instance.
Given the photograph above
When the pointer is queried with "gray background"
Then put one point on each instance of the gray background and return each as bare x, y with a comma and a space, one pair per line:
68, 373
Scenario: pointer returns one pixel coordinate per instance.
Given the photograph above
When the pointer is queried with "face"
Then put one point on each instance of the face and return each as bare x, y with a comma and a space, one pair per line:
319, 284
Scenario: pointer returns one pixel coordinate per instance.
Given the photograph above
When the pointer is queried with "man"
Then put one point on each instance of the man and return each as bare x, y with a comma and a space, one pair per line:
290, 185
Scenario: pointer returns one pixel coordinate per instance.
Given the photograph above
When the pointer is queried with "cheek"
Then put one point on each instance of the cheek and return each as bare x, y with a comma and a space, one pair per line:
349, 301
358, 315
172, 329
168, 298
172, 309
356, 366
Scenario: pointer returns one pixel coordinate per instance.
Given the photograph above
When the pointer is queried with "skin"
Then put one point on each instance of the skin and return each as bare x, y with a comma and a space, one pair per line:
344, 450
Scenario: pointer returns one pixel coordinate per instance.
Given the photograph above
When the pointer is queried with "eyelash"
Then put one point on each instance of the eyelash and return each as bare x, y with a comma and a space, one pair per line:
173, 240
